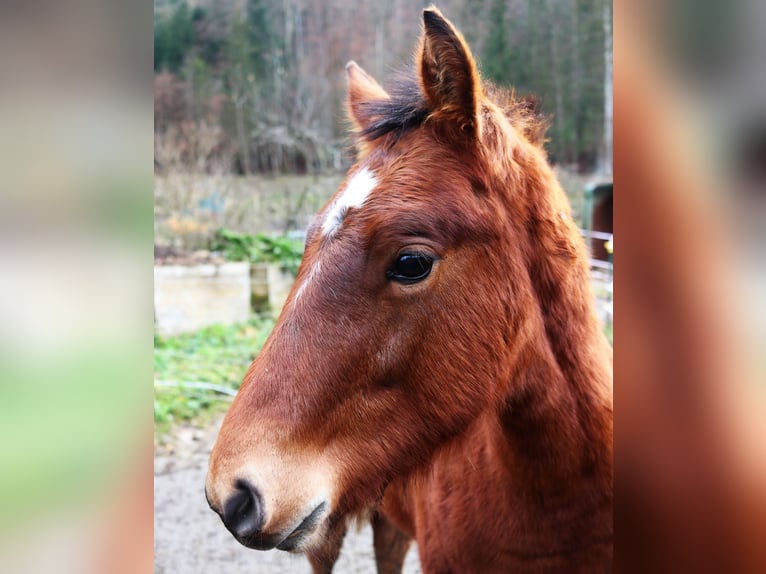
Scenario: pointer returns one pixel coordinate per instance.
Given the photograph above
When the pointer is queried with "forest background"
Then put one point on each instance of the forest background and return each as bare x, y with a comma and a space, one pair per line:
257, 86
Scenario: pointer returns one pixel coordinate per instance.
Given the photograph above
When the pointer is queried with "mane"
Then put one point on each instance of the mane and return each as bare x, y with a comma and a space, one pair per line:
407, 109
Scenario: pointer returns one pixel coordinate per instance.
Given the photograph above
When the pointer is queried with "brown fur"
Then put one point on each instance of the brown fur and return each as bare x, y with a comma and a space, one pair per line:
476, 404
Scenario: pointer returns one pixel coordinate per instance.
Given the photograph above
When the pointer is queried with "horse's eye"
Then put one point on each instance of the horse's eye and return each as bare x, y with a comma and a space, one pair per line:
410, 268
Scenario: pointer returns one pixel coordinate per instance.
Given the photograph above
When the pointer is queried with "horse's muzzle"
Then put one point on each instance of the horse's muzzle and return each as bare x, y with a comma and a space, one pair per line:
243, 514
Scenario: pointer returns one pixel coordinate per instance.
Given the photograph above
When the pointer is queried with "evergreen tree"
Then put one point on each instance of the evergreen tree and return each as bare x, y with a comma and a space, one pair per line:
495, 62
173, 38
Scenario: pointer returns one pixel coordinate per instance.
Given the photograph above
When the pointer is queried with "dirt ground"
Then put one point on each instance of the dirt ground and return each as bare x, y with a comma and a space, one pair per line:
190, 539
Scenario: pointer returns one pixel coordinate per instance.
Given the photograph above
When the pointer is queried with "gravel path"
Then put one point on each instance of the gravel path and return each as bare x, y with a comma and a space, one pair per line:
190, 539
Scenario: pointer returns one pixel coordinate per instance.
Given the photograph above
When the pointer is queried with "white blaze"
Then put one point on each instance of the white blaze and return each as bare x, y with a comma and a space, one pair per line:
355, 194
312, 274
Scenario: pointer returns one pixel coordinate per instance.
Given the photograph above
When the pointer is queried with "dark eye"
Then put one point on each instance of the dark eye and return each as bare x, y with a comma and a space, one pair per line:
410, 268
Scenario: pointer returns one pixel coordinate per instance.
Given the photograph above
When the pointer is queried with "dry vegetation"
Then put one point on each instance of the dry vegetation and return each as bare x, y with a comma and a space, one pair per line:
190, 207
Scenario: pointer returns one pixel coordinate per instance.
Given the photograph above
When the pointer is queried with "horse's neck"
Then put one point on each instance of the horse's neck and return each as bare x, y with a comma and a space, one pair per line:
556, 449
559, 399
557, 416
556, 431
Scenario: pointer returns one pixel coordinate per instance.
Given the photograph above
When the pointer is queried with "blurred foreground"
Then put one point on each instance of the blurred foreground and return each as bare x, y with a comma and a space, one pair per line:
689, 340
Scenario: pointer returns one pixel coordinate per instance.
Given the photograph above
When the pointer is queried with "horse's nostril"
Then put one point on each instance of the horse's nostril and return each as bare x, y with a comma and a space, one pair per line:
243, 511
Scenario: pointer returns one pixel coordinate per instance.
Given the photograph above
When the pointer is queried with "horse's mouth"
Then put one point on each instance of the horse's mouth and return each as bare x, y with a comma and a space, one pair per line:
307, 526
294, 541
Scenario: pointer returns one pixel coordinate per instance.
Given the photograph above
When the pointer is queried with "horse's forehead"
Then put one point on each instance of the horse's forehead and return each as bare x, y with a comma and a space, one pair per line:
368, 181
354, 195
411, 185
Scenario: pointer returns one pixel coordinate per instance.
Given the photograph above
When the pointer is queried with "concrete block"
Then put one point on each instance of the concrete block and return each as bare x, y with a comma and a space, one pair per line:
188, 298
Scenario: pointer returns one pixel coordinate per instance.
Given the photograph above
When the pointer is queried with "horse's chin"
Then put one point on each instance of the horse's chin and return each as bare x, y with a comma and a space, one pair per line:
304, 542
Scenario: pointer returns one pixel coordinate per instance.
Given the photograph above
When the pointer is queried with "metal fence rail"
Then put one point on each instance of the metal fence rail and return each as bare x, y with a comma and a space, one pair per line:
598, 263
596, 234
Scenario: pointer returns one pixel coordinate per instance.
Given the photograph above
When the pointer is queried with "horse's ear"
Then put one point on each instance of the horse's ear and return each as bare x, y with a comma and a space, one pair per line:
448, 73
362, 90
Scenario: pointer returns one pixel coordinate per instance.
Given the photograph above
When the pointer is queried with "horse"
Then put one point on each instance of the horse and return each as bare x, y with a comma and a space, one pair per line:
438, 357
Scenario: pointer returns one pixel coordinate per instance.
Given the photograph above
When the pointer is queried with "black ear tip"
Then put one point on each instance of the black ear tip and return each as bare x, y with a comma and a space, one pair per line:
431, 15
434, 21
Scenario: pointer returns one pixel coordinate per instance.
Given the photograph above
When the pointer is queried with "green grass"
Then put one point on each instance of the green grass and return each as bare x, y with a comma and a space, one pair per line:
259, 248
217, 355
